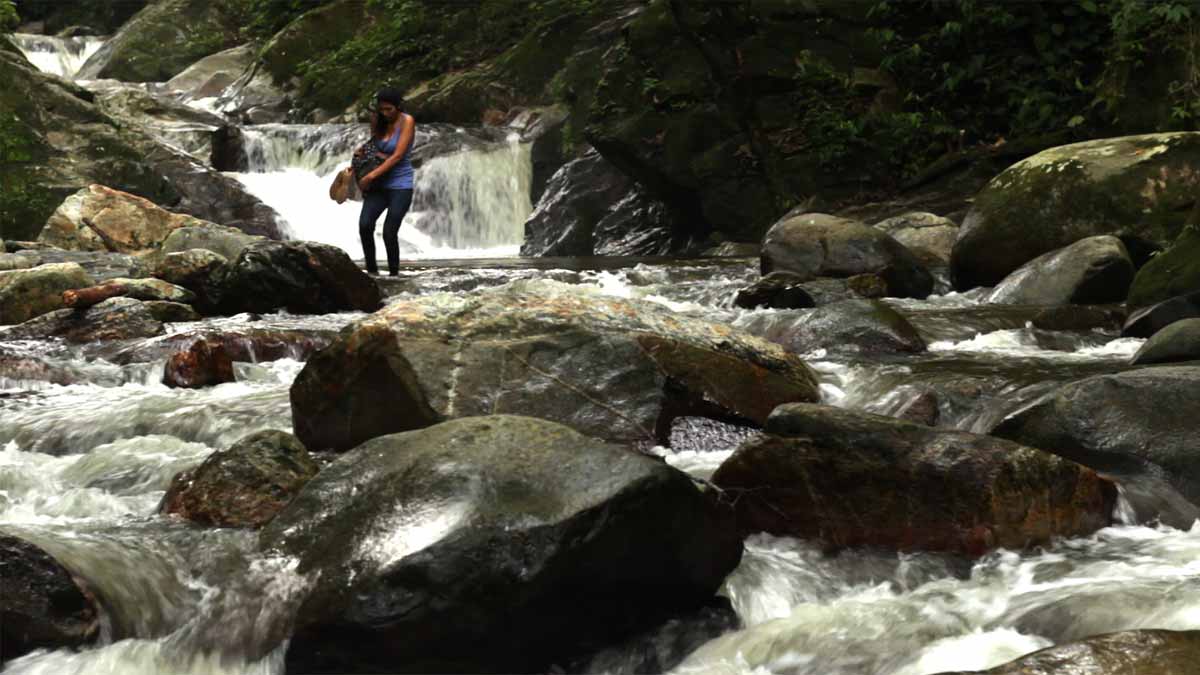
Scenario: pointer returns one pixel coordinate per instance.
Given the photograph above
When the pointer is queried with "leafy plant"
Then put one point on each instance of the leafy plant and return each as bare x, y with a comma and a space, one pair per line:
8, 16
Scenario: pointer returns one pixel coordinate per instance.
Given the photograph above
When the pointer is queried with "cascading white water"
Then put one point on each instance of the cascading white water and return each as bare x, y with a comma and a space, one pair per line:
59, 56
470, 200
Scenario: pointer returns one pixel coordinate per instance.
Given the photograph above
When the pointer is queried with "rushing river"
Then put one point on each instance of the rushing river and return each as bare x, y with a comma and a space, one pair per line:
84, 463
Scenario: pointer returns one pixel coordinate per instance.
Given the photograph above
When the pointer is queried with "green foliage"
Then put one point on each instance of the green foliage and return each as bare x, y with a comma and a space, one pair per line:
264, 18
8, 16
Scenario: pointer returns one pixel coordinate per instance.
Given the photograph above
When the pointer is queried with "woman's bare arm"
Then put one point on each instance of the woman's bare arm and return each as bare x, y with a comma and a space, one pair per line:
407, 131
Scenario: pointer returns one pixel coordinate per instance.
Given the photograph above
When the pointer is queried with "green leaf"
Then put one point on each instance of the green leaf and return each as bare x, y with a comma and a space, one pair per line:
1075, 121
1089, 6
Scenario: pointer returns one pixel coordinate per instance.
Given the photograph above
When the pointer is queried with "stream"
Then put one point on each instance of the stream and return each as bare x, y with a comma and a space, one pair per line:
84, 463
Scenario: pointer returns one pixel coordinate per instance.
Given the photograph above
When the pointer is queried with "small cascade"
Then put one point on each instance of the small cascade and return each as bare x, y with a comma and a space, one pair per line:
471, 197
59, 56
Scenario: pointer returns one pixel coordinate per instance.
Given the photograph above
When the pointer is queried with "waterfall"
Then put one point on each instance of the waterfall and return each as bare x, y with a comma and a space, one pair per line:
59, 56
471, 196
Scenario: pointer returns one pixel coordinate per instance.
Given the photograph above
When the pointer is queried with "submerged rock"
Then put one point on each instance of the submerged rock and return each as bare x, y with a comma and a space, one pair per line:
493, 544
244, 485
777, 290
1179, 341
300, 276
29, 293
865, 326
849, 479
816, 244
613, 368
1135, 652
42, 605
1092, 271
1139, 188
1138, 427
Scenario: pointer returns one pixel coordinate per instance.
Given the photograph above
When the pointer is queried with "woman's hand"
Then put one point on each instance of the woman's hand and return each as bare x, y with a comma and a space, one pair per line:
364, 183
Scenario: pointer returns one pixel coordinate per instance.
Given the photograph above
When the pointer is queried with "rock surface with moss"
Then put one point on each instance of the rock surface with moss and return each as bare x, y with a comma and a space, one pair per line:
1175, 271
1139, 188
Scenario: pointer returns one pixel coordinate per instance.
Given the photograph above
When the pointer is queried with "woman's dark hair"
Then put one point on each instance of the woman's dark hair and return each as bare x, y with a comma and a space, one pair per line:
379, 123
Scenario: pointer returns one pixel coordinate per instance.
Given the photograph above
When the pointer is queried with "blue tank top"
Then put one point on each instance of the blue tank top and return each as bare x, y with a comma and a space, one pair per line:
400, 177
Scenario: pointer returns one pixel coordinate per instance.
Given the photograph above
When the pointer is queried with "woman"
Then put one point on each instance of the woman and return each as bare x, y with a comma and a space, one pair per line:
390, 186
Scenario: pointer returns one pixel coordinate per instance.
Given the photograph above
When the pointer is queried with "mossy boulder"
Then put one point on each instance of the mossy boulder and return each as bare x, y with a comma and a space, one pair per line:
1147, 321
613, 368
27, 293
139, 52
548, 540
244, 485
1179, 341
849, 478
1175, 271
302, 277
930, 237
1139, 188
1092, 271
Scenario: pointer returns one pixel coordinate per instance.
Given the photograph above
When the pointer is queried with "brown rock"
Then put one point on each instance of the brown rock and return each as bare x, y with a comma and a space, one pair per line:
42, 605
98, 218
1135, 652
203, 364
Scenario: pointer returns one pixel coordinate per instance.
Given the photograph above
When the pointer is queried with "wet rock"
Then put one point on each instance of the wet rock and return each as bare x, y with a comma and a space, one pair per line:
113, 319
193, 28
1092, 271
43, 605
552, 543
1135, 652
930, 237
1147, 321
867, 326
28, 293
850, 478
826, 291
1179, 341
816, 244
1079, 317
16, 366
245, 485
163, 116
613, 368
1137, 426
98, 218
1174, 272
12, 261
249, 344
733, 249
1139, 188
543, 128
778, 290
199, 271
591, 208
138, 289
227, 242
921, 410
203, 364
664, 647
301, 277
99, 265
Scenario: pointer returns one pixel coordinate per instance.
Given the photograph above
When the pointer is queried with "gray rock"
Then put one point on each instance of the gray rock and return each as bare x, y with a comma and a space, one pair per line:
113, 319
930, 237
225, 241
1092, 271
817, 244
1147, 321
613, 368
300, 276
546, 539
1179, 341
1138, 426
866, 326
211, 75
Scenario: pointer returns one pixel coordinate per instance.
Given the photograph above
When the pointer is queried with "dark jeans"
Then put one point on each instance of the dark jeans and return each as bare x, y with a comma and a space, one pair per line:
396, 203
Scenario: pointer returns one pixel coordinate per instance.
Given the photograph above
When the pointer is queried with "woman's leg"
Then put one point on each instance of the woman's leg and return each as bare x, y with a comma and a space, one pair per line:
373, 204
398, 203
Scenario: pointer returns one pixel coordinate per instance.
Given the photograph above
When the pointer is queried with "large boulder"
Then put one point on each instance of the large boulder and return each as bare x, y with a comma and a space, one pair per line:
302, 277
1174, 272
245, 485
193, 29
1092, 271
850, 478
1138, 426
114, 319
198, 270
27, 293
42, 605
1135, 652
211, 75
1147, 321
930, 237
590, 208
612, 368
867, 326
225, 241
1179, 341
816, 244
493, 544
1139, 188
161, 115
